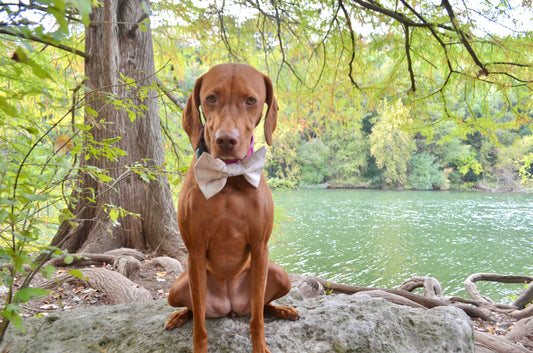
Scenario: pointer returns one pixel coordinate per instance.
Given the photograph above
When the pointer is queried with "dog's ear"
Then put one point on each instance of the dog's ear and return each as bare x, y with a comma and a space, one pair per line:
192, 121
271, 116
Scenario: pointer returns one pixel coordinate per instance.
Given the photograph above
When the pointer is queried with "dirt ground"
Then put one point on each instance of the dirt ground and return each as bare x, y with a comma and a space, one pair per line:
72, 296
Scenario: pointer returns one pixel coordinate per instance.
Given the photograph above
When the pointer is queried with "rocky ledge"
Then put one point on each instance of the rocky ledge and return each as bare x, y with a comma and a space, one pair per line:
332, 323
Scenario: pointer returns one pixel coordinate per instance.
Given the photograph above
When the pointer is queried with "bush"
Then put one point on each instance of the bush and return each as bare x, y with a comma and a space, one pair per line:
425, 173
350, 152
314, 156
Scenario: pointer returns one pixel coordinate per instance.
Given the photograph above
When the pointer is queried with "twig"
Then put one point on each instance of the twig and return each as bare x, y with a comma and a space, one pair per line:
463, 39
40, 40
409, 61
169, 94
278, 35
352, 36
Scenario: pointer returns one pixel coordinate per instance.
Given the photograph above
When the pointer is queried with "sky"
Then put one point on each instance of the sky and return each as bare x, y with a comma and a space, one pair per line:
517, 18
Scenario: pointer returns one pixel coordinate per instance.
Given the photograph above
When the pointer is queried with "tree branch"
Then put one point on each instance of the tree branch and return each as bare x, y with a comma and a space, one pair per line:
220, 14
135, 26
463, 38
69, 15
40, 40
375, 7
278, 35
352, 36
432, 30
409, 61
169, 94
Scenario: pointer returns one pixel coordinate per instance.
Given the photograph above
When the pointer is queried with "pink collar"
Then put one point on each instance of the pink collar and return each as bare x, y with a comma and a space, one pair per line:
250, 151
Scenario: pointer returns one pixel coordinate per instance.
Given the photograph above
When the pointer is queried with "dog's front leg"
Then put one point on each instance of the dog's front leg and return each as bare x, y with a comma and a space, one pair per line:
198, 287
259, 271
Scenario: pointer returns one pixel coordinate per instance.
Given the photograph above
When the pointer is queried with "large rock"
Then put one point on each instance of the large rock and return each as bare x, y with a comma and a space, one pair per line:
334, 323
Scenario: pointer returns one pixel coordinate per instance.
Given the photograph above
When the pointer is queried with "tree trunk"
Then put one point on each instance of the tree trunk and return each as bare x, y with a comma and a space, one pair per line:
118, 50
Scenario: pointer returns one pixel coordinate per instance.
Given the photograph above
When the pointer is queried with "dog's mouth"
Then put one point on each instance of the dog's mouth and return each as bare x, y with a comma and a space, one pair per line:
228, 158
231, 159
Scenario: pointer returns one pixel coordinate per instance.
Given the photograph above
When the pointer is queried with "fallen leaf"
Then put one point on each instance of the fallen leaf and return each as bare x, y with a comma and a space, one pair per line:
49, 307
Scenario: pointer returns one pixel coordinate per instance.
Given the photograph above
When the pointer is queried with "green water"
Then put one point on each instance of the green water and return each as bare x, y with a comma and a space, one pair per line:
381, 238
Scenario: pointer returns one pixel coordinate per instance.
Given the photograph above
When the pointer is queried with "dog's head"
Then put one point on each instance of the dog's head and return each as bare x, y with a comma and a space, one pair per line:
232, 98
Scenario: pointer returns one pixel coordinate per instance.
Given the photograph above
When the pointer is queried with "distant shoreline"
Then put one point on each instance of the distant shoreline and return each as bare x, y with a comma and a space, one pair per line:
476, 188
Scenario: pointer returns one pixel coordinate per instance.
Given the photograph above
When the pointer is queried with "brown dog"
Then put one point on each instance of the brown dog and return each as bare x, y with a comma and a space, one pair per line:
226, 235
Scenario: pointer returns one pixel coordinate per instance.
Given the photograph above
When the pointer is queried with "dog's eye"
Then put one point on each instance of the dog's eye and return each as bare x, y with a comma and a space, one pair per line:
251, 101
211, 99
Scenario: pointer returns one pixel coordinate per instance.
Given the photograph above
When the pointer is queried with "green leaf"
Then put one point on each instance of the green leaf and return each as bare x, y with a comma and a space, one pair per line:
144, 177
104, 178
32, 130
78, 274
91, 111
25, 294
68, 259
25, 197
132, 115
113, 214
47, 271
84, 9
111, 140
7, 108
11, 314
39, 71
58, 10
82, 127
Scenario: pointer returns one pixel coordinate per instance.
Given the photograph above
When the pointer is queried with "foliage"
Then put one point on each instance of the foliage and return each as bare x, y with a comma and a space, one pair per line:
41, 144
314, 156
339, 61
425, 173
34, 176
349, 153
392, 142
281, 166
526, 169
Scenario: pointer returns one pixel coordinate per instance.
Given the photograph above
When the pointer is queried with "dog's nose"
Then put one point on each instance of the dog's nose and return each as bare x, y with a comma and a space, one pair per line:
227, 140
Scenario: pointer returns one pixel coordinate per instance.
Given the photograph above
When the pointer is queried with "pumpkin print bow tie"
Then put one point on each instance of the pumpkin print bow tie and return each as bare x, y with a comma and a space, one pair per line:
212, 173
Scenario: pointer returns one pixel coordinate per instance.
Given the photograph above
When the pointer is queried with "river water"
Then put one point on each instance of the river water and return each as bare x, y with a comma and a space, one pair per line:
381, 238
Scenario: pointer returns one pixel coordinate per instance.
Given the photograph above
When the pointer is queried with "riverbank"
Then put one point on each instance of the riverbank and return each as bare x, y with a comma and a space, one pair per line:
475, 188
79, 306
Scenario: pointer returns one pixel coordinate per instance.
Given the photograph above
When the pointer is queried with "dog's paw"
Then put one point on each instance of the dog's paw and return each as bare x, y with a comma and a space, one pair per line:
178, 319
291, 313
283, 312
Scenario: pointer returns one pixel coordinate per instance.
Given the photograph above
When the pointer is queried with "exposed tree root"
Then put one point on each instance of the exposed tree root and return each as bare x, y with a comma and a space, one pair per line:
432, 287
117, 288
523, 328
497, 344
525, 297
415, 298
480, 307
393, 298
169, 264
522, 314
472, 290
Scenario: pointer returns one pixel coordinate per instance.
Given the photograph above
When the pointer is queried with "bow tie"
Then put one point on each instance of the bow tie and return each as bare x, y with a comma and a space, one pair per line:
212, 173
